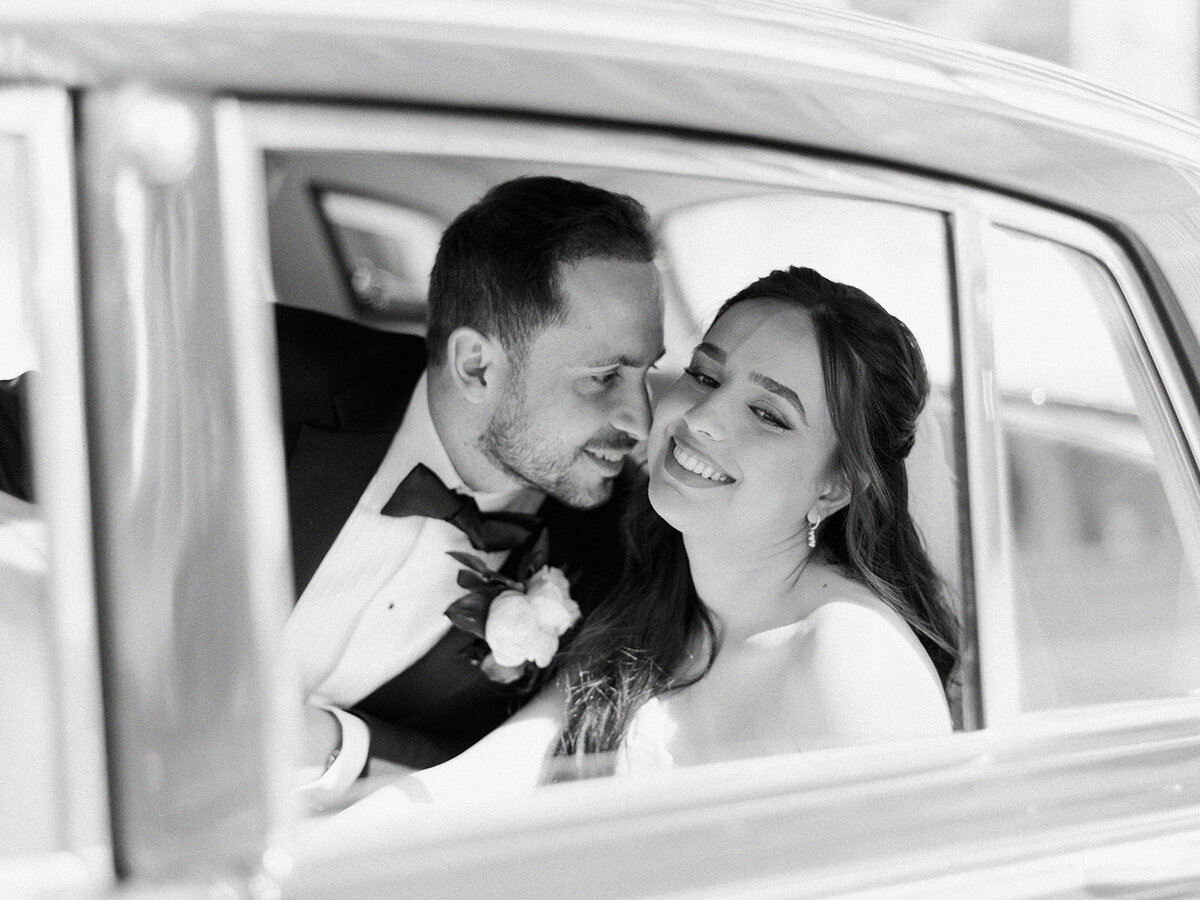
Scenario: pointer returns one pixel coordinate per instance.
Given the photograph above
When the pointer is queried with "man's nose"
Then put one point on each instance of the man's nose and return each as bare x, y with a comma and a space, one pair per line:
632, 414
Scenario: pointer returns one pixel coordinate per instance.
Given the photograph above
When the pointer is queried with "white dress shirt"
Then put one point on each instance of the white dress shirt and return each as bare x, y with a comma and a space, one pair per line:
377, 602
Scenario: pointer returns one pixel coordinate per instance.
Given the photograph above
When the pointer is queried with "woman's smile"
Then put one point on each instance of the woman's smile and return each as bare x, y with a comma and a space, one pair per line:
694, 463
748, 419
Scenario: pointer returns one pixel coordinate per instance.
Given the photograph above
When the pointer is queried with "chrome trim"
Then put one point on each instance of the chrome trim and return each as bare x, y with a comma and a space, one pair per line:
190, 547
314, 127
42, 117
875, 820
987, 479
256, 395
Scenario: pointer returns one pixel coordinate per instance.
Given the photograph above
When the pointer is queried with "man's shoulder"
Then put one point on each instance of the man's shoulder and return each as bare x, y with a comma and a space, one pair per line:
338, 373
300, 329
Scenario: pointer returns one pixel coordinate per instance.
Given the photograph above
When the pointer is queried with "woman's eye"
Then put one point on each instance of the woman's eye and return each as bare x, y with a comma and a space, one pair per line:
770, 418
700, 378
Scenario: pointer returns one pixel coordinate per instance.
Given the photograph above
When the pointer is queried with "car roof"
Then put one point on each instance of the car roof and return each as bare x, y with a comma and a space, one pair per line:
784, 74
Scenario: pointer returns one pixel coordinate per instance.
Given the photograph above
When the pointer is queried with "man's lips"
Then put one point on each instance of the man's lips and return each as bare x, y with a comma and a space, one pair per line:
698, 464
609, 459
611, 454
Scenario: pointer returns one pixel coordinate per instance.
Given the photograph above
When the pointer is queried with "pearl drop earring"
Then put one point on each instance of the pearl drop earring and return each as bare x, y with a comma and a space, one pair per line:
812, 531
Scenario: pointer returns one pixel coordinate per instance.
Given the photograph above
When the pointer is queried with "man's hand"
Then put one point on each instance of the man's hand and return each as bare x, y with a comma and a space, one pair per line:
336, 744
322, 736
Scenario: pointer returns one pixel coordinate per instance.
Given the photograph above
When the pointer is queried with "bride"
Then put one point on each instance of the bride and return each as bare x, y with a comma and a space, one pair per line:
776, 594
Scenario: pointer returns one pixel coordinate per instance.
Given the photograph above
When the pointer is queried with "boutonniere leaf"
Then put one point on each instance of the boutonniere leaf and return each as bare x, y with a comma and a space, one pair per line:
488, 576
472, 562
469, 613
518, 623
472, 581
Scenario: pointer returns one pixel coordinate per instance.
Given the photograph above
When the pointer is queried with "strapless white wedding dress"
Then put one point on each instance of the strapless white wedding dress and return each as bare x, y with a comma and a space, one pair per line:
645, 746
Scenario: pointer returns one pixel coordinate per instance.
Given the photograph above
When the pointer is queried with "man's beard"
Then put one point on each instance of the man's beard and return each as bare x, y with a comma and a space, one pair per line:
511, 444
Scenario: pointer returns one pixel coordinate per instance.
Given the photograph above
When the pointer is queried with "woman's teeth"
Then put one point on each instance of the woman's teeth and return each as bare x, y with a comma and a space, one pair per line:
692, 464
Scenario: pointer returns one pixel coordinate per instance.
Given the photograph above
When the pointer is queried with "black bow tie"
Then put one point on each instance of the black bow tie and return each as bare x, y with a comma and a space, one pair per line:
422, 493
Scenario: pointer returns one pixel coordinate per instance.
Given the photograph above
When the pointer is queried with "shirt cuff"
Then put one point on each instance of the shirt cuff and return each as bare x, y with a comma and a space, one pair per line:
347, 763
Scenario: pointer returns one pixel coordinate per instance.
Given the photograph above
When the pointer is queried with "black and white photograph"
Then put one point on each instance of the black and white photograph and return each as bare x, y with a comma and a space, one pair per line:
632, 449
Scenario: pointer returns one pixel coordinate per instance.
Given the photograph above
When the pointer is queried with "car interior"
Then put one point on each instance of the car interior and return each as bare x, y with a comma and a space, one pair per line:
354, 234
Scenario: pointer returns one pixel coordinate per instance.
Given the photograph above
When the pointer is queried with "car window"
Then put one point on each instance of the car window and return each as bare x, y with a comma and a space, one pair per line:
1105, 599
725, 218
386, 253
721, 223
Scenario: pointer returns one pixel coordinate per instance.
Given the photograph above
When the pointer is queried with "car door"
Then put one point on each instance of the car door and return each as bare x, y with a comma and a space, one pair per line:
964, 267
184, 453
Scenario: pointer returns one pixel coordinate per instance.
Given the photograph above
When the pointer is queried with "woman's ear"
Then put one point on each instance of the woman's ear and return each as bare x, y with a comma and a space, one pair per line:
476, 363
837, 494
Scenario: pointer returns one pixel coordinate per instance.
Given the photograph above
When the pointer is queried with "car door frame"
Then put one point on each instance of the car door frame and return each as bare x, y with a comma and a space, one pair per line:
42, 117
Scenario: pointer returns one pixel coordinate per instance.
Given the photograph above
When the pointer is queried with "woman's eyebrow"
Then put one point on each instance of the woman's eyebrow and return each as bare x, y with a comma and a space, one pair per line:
711, 350
780, 390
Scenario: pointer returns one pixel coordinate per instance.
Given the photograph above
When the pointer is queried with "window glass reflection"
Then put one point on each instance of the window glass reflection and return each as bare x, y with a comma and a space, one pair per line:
1106, 605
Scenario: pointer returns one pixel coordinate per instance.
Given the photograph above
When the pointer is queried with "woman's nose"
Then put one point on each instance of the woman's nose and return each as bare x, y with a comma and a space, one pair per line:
706, 417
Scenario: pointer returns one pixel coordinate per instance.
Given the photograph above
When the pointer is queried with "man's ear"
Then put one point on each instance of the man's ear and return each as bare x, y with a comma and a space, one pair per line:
476, 363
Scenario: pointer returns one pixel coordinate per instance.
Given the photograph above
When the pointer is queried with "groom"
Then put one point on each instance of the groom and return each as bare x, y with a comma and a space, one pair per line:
528, 396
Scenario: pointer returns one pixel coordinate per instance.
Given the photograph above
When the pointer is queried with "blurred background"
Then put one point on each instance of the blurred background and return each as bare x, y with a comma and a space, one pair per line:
1150, 50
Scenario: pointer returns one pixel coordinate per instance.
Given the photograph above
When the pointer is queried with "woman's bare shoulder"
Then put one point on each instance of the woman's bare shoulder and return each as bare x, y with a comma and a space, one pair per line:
851, 617
858, 668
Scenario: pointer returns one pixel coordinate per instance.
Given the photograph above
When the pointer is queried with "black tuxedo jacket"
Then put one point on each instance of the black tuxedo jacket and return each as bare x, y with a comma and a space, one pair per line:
345, 388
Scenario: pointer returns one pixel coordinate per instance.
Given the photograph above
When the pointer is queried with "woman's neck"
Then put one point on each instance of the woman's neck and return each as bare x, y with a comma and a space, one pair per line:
748, 590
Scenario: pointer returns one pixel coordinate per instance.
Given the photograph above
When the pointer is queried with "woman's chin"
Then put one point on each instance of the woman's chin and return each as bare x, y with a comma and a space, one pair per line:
670, 505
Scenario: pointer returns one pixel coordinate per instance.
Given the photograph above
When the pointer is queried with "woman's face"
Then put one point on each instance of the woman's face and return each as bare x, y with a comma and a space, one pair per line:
741, 443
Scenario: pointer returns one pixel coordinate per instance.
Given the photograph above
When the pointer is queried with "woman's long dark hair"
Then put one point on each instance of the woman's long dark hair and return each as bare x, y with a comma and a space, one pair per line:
638, 643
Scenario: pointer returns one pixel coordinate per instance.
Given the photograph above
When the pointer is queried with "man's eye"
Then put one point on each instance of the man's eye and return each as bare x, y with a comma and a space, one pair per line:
605, 377
770, 418
701, 379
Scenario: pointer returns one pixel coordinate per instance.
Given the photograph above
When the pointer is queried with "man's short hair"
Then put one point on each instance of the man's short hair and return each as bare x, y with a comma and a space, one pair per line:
498, 263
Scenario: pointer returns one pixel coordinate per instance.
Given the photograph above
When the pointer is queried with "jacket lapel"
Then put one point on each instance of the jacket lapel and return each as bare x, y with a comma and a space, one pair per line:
330, 467
445, 692
329, 471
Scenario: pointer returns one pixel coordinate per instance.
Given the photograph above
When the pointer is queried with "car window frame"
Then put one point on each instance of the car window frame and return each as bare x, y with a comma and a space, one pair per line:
1173, 425
265, 126
42, 117
327, 127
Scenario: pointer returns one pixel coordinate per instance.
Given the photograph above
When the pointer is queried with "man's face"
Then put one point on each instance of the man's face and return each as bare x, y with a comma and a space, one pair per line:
576, 403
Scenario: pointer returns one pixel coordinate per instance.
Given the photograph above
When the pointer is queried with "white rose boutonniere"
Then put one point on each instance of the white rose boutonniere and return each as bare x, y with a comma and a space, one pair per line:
515, 634
519, 622
549, 594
